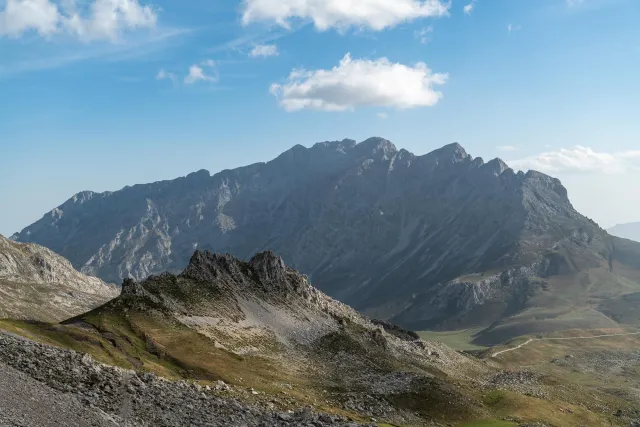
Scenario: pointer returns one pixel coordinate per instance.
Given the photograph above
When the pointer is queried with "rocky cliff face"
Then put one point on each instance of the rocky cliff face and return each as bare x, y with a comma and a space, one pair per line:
37, 284
382, 229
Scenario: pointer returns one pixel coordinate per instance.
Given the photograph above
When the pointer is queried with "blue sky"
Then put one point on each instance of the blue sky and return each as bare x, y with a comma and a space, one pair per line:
99, 94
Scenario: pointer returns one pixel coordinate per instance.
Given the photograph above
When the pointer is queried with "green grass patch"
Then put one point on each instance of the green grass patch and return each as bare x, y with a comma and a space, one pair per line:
457, 340
494, 397
489, 423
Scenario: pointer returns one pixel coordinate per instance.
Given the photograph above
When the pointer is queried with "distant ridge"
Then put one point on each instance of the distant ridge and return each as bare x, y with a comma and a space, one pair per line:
629, 231
443, 240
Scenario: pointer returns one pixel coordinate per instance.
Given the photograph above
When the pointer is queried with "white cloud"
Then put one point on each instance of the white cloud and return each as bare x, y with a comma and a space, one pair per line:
198, 74
424, 34
581, 159
20, 16
469, 7
165, 75
511, 28
360, 82
342, 14
383, 116
99, 20
264, 50
507, 148
109, 18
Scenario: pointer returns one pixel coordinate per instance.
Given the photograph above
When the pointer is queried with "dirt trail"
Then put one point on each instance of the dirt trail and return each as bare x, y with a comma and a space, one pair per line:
560, 339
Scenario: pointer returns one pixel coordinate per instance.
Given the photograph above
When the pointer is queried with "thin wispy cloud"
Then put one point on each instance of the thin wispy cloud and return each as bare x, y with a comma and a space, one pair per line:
580, 159
360, 82
511, 28
572, 3
166, 75
424, 34
130, 50
264, 51
383, 116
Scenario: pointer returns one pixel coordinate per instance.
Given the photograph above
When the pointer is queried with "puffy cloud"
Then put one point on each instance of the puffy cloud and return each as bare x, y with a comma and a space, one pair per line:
108, 18
20, 16
469, 7
98, 20
198, 74
264, 50
341, 14
581, 159
360, 82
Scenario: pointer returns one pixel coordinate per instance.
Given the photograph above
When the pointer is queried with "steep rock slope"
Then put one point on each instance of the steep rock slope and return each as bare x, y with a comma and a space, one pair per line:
37, 284
629, 231
435, 241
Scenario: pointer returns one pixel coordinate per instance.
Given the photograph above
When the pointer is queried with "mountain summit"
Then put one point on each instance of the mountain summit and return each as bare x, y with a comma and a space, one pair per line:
442, 240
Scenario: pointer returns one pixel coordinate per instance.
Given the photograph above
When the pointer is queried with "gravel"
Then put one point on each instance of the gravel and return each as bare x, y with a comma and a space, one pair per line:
48, 386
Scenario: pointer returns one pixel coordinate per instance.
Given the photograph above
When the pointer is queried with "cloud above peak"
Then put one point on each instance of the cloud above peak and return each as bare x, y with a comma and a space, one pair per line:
582, 160
343, 14
87, 21
360, 82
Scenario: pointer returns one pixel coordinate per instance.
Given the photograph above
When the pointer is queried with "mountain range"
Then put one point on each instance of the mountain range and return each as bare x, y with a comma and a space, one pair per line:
37, 284
439, 241
629, 231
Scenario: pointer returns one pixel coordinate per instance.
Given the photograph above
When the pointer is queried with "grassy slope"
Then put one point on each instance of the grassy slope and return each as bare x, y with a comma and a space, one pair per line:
583, 300
458, 340
174, 351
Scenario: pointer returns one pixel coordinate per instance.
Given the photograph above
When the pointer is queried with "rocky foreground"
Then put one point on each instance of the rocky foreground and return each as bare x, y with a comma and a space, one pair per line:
48, 386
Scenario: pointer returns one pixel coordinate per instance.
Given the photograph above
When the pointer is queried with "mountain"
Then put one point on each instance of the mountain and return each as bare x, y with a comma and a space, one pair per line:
629, 231
440, 241
261, 326
37, 284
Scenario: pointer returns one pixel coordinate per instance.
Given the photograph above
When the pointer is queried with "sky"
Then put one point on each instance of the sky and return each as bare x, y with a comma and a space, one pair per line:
100, 94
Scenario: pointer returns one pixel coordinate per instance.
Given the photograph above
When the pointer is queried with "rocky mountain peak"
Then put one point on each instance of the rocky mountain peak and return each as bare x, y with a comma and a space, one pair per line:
496, 166
451, 153
377, 147
208, 266
539, 179
268, 266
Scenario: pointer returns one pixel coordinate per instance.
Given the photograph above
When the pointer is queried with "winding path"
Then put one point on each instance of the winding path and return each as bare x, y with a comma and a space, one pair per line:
560, 339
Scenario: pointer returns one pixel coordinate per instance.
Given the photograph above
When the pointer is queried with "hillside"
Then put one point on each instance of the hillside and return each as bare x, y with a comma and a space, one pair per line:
37, 284
440, 241
629, 231
257, 332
